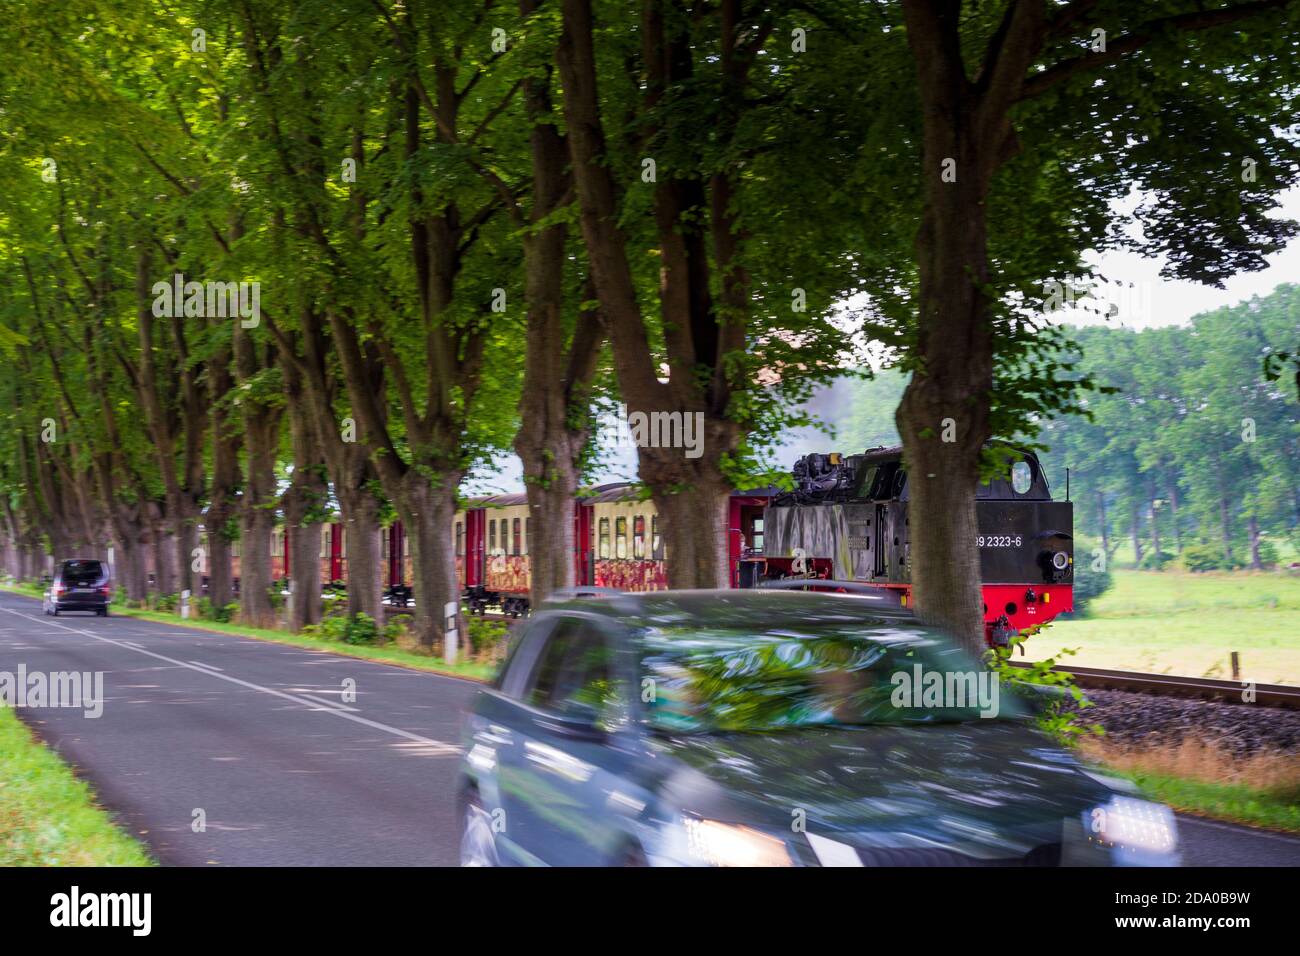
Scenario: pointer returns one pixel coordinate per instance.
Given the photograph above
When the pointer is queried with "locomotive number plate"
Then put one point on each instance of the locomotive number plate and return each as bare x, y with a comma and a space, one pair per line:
999, 541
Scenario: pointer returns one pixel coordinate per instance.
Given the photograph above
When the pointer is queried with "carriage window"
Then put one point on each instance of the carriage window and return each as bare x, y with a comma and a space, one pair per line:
460, 537
1022, 477
638, 537
516, 525
384, 544
756, 535
325, 541
528, 533
656, 542
620, 537
492, 535
603, 550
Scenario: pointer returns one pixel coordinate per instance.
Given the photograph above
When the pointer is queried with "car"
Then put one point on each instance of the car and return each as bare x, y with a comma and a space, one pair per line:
79, 585
771, 727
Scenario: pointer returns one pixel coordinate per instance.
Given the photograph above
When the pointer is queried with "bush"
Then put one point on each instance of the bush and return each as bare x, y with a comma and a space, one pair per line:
1155, 560
165, 602
485, 637
398, 629
360, 629
1088, 584
1268, 554
1203, 557
221, 615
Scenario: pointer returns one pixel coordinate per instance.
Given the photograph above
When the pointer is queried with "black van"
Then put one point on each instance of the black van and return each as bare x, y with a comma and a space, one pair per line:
80, 585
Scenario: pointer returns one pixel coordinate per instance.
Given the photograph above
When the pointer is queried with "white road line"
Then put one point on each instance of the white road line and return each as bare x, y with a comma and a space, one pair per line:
439, 747
211, 667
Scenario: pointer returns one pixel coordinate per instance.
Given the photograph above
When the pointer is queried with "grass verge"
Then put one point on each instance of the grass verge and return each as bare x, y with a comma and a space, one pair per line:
47, 816
1262, 790
401, 657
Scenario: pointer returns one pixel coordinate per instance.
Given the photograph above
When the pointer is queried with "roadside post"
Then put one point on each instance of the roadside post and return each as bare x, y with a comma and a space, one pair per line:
450, 630
185, 604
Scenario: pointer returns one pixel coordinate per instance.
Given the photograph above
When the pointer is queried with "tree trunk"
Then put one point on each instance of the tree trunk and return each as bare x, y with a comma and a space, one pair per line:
691, 495
1102, 519
1173, 518
302, 546
551, 543
1155, 529
1135, 530
304, 505
361, 547
1252, 528
1225, 527
257, 526
428, 513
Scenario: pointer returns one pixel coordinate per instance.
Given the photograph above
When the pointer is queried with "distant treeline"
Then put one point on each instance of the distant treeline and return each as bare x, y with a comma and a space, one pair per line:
1196, 456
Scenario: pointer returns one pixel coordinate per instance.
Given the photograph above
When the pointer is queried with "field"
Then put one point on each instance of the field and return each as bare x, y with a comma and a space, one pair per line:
1174, 622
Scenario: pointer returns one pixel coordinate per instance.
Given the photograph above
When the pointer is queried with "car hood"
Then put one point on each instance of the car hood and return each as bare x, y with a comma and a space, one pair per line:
987, 788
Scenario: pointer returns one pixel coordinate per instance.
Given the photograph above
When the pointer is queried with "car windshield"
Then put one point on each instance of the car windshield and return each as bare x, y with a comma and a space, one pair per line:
731, 679
81, 573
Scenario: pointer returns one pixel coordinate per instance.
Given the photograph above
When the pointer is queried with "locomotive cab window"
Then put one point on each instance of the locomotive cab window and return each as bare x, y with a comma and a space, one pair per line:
1022, 477
620, 537
603, 547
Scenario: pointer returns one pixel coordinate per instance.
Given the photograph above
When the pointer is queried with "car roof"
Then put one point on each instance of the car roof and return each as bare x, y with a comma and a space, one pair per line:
737, 608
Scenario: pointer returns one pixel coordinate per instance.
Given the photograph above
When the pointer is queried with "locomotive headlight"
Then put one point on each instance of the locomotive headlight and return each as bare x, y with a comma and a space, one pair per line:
1060, 560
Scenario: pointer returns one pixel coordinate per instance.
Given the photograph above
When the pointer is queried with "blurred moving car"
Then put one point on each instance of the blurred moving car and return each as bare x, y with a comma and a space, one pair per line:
748, 728
79, 585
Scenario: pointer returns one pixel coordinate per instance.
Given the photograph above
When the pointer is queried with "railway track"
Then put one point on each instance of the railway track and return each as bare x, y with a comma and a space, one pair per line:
1195, 688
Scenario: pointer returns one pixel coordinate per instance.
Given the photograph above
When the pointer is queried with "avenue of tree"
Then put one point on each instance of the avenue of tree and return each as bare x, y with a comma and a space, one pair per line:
470, 223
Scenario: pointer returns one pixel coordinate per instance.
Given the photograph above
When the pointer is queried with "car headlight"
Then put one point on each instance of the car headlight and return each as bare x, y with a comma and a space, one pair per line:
723, 844
1132, 824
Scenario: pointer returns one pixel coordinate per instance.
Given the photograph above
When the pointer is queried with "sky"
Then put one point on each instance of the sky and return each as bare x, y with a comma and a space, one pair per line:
1149, 301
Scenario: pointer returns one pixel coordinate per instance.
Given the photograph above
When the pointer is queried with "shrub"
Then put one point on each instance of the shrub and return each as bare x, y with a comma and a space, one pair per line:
360, 629
221, 615
485, 637
1088, 584
1203, 557
165, 602
398, 630
1155, 560
1268, 554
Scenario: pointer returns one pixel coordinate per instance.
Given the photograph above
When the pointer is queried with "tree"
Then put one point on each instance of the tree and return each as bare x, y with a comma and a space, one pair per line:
1177, 67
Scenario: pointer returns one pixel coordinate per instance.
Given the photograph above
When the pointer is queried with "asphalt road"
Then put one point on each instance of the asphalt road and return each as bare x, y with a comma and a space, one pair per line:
257, 735
254, 734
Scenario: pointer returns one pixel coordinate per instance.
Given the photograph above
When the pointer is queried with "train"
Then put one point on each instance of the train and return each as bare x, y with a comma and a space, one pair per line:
844, 520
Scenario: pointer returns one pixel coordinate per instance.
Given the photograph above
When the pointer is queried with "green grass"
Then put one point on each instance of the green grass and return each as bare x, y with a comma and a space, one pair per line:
473, 670
47, 816
1174, 622
1275, 809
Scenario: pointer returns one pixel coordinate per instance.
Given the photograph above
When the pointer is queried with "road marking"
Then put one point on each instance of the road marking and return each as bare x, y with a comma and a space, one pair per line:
436, 747
211, 667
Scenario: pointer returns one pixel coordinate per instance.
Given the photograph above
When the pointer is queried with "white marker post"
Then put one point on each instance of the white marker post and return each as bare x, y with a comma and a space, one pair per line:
450, 612
185, 603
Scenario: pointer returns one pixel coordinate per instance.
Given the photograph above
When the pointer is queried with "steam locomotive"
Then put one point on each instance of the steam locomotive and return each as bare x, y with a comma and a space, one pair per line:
847, 520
